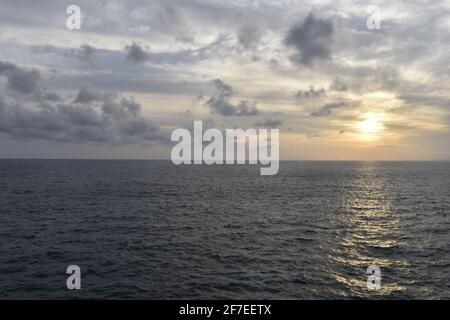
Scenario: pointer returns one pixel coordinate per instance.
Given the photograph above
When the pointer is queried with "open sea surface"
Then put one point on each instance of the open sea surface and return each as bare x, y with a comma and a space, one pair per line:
153, 230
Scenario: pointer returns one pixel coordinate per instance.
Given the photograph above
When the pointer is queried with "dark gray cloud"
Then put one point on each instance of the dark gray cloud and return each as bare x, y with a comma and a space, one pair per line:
92, 117
338, 85
87, 94
220, 102
136, 53
312, 39
327, 109
20, 80
51, 96
249, 36
269, 123
112, 122
86, 53
311, 93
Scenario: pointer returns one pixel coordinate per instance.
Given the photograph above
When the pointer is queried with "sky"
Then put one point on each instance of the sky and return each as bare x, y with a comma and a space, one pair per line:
339, 79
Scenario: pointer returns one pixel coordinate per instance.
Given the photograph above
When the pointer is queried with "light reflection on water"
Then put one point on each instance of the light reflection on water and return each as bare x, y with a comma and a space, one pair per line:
368, 224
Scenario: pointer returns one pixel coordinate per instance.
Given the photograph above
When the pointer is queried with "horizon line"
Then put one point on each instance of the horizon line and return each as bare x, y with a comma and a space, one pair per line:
281, 160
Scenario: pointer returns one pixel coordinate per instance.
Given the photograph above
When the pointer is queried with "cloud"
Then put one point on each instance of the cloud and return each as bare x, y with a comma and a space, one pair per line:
185, 38
86, 53
414, 99
87, 95
20, 80
249, 36
311, 93
338, 85
327, 109
312, 39
220, 102
399, 126
51, 96
92, 117
269, 123
136, 53
111, 122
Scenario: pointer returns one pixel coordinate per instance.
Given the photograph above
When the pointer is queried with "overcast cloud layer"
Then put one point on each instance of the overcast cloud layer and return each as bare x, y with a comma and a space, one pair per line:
138, 69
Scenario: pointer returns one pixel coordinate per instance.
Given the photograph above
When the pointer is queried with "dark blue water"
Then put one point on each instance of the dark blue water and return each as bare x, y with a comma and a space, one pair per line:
149, 229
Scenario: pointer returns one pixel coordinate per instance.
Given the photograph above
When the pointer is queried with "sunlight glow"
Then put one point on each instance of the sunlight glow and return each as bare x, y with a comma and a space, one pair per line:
371, 124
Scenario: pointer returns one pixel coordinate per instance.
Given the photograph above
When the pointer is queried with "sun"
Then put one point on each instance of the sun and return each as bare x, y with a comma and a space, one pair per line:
371, 124
370, 128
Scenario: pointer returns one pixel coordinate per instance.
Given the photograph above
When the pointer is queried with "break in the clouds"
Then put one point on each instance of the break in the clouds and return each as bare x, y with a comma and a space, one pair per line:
334, 87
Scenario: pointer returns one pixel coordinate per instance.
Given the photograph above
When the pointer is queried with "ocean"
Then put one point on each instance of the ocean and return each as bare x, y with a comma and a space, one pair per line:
153, 230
